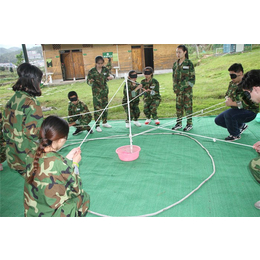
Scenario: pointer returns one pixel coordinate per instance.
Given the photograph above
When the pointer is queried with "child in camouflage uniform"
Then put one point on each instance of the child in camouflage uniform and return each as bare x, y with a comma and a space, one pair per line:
134, 105
152, 97
97, 79
183, 81
23, 117
2, 144
251, 85
242, 110
78, 107
53, 187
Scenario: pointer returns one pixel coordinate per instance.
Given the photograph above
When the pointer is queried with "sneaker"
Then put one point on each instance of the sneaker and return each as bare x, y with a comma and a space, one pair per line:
98, 129
243, 128
78, 131
106, 125
187, 128
147, 121
137, 123
127, 125
232, 138
90, 131
157, 122
177, 126
257, 204
1, 167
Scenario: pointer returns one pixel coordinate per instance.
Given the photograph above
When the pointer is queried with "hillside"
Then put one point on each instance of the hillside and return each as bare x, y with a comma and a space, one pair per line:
9, 55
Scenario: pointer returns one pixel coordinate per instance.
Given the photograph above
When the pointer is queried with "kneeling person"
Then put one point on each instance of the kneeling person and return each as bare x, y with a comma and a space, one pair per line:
77, 107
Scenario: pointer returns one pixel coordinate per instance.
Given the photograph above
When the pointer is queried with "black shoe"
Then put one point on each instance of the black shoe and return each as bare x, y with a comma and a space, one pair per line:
90, 131
243, 128
232, 138
187, 128
177, 126
78, 131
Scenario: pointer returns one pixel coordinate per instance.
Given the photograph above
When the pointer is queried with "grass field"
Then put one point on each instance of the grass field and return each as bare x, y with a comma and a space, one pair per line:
212, 80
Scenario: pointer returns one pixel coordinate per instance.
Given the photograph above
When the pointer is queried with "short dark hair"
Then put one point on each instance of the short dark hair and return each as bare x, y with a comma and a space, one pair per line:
72, 93
149, 69
236, 67
98, 58
251, 79
29, 79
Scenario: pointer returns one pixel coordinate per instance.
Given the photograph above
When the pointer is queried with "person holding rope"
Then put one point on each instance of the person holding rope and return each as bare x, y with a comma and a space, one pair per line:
75, 107
152, 97
134, 102
251, 85
242, 110
183, 82
53, 187
2, 144
22, 117
97, 79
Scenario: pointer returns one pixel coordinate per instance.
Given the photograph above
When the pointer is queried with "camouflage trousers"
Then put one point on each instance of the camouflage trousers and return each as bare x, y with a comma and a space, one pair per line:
83, 121
2, 151
99, 103
134, 111
150, 108
184, 103
254, 167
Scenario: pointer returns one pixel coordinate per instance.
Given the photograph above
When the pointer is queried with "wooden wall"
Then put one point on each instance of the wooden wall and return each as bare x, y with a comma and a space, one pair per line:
164, 56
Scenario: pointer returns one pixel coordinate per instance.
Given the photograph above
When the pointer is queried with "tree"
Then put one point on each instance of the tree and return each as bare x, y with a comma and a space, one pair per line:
19, 58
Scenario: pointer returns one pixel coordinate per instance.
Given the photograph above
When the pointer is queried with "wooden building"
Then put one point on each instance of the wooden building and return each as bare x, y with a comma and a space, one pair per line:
73, 61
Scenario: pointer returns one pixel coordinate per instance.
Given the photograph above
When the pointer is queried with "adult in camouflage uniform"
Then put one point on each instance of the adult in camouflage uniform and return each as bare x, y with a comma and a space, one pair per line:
109, 65
2, 144
134, 104
23, 117
242, 109
76, 107
251, 85
183, 82
53, 187
152, 97
97, 79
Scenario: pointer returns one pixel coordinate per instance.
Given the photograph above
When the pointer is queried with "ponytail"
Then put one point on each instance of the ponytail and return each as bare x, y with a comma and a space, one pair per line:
53, 128
184, 48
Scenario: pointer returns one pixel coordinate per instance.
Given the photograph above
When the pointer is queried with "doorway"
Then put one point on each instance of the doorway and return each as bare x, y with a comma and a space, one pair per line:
72, 65
142, 56
148, 56
137, 58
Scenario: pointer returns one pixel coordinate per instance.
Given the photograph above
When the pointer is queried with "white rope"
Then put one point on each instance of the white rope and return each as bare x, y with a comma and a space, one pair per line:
161, 127
100, 115
123, 104
181, 200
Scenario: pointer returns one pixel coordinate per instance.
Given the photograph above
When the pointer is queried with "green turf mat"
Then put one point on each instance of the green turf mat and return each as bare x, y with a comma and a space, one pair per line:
169, 167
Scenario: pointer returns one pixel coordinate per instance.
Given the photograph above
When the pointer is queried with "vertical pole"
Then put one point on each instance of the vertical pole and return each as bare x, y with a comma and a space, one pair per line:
25, 53
129, 116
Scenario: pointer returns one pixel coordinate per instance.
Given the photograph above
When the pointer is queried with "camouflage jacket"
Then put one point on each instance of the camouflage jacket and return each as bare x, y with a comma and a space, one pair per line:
237, 94
1, 132
100, 79
131, 87
2, 143
154, 86
183, 75
22, 121
79, 108
109, 65
56, 190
